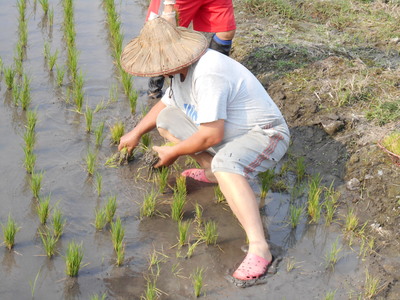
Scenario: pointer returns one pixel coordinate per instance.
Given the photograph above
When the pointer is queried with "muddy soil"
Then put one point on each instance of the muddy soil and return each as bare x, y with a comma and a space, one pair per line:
338, 143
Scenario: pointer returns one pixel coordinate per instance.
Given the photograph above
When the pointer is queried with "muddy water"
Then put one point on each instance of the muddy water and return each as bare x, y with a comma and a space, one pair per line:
62, 144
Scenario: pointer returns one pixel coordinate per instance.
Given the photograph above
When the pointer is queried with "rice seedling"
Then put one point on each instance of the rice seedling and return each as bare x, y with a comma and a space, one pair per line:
58, 223
25, 93
31, 117
113, 93
9, 232
36, 183
183, 229
98, 183
332, 256
52, 59
126, 82
291, 264
300, 169
45, 5
330, 295
49, 242
9, 74
132, 97
162, 178
198, 214
19, 70
266, 179
98, 133
210, 233
91, 158
330, 204
33, 284
148, 208
100, 219
117, 131
88, 118
146, 141
177, 204
30, 139
111, 207
371, 286
43, 209
60, 73
16, 93
156, 258
51, 17
78, 99
314, 193
197, 280
21, 5
73, 259
351, 221
120, 252
151, 292
46, 50
29, 160
117, 233
1, 65
99, 106
219, 196
19, 50
191, 248
97, 297
295, 215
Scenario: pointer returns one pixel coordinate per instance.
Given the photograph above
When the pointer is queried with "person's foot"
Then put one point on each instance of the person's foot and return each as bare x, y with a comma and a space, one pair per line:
197, 174
252, 267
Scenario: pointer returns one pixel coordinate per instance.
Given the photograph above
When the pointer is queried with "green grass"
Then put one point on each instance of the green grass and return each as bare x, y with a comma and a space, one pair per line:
392, 142
97, 297
197, 280
31, 118
330, 295
111, 208
330, 204
43, 209
117, 131
36, 183
117, 233
148, 207
49, 242
16, 93
9, 232
73, 259
146, 141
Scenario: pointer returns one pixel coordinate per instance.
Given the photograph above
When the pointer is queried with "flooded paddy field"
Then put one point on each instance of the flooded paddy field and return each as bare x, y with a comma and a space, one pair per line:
318, 261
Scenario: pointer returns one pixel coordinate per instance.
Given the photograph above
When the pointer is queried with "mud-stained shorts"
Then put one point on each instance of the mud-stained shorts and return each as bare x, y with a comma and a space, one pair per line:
247, 155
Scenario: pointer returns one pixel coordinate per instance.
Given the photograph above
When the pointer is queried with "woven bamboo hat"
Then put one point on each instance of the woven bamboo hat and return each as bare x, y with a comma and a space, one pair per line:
162, 48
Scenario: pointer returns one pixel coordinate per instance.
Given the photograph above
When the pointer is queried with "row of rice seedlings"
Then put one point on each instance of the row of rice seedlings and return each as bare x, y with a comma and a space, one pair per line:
332, 256
43, 209
25, 96
148, 207
10, 229
117, 237
197, 280
179, 199
73, 259
105, 214
91, 159
266, 179
314, 193
117, 131
30, 140
36, 183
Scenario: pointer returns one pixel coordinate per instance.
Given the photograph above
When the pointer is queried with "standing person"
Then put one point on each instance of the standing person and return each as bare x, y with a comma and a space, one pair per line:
215, 16
216, 111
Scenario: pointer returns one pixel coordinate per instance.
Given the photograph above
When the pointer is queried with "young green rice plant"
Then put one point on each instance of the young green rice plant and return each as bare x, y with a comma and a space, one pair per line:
51, 17
9, 74
9, 232
52, 60
46, 50
100, 219
16, 93
49, 242
117, 233
151, 292
97, 297
371, 286
148, 208
19, 70
332, 256
295, 215
1, 65
330, 295
45, 5
43, 209
162, 178
178, 202
19, 50
197, 280
91, 158
78, 99
120, 252
30, 139
73, 259
111, 208
98, 133
29, 160
113, 93
314, 193
60, 73
117, 131
132, 97
300, 169
210, 233
191, 248
198, 214
146, 141
291, 264
219, 196
183, 228
266, 179
126, 80
98, 183
351, 221
330, 204
36, 183
33, 284
31, 118
21, 5
25, 96
88, 118
58, 223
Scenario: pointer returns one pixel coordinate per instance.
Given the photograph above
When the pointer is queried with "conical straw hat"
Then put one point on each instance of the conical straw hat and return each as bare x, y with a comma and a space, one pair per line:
162, 48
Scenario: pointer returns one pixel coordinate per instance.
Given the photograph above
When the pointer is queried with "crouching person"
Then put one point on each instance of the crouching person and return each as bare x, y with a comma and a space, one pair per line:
216, 111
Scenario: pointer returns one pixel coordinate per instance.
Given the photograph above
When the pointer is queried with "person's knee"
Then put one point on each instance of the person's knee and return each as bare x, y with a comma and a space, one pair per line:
226, 35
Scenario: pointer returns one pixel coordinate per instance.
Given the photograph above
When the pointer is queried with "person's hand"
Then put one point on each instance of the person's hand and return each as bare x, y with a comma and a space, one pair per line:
129, 140
166, 155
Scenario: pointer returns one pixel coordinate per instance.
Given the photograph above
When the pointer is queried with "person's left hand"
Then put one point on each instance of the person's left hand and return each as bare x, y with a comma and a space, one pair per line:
166, 155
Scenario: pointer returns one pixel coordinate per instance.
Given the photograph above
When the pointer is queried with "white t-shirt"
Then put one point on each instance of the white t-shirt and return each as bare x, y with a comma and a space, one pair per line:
217, 87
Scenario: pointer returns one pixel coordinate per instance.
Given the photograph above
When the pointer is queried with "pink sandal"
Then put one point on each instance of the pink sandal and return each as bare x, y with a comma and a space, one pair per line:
196, 174
252, 267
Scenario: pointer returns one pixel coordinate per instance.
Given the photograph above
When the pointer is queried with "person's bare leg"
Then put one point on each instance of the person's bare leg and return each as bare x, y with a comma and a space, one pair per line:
243, 203
203, 158
226, 35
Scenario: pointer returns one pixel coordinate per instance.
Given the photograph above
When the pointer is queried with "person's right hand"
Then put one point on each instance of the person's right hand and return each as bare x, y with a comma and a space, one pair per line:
129, 140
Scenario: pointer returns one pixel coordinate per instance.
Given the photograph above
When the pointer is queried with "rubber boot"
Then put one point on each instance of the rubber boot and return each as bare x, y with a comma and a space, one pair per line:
155, 87
224, 49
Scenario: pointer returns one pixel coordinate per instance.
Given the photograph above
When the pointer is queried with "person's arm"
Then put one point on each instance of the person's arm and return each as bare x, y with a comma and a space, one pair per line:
132, 138
208, 135
169, 12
